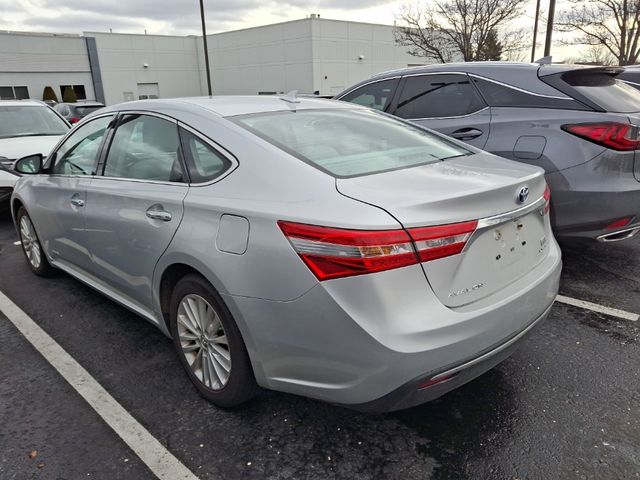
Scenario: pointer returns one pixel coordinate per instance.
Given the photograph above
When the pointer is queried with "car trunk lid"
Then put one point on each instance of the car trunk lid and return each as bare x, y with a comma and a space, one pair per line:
511, 237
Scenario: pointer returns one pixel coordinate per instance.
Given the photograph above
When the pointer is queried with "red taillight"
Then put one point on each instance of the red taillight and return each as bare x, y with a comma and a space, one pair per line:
547, 199
614, 135
335, 252
442, 240
74, 119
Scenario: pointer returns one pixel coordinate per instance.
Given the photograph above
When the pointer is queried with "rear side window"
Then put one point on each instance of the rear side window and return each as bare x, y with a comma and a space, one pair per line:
147, 148
347, 143
605, 90
375, 95
498, 95
431, 96
203, 161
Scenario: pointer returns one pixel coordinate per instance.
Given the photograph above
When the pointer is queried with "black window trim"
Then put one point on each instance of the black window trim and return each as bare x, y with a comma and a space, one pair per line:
401, 85
51, 160
113, 127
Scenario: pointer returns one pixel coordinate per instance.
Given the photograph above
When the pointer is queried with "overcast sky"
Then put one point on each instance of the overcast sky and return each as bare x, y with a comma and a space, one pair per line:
182, 17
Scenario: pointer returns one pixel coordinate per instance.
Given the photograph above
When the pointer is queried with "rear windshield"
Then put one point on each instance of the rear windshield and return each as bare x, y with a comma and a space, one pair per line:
605, 90
84, 111
348, 143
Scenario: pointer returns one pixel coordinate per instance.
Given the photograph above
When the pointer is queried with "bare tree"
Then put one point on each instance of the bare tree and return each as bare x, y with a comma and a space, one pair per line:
611, 24
447, 30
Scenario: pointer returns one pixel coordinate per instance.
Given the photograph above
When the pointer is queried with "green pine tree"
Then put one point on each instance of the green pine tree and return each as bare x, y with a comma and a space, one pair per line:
492, 48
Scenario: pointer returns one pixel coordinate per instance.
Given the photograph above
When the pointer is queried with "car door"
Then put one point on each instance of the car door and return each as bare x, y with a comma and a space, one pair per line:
446, 102
135, 206
61, 195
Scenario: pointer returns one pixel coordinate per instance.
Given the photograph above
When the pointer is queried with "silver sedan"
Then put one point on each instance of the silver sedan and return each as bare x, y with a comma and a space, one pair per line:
302, 245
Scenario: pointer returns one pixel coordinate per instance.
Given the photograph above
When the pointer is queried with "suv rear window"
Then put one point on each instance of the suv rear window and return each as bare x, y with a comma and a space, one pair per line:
348, 143
605, 90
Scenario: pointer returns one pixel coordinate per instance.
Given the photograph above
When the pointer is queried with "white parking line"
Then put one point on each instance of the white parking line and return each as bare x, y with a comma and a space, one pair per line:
594, 307
159, 460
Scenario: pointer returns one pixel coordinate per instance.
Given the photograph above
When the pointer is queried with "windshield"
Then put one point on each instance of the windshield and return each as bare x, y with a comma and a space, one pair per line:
605, 90
30, 120
347, 143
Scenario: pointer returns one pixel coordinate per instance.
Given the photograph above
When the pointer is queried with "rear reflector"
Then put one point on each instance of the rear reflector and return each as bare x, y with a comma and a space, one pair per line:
335, 252
435, 381
623, 222
613, 135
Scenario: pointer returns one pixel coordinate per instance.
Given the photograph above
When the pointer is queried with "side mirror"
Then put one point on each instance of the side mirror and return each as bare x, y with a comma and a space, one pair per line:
29, 165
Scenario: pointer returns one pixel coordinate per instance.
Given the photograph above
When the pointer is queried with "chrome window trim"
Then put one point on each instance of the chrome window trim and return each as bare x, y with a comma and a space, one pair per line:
377, 80
141, 180
522, 90
218, 148
628, 81
452, 117
435, 73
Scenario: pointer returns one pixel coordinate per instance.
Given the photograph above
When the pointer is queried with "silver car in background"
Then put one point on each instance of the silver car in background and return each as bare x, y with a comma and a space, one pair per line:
308, 246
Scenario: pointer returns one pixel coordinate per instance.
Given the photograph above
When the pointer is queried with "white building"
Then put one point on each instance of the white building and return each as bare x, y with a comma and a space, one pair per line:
307, 55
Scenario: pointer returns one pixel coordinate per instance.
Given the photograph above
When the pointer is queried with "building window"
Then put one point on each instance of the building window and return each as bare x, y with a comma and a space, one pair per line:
14, 93
81, 94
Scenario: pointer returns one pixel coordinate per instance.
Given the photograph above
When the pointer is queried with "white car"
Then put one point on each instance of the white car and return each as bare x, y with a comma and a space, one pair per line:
27, 127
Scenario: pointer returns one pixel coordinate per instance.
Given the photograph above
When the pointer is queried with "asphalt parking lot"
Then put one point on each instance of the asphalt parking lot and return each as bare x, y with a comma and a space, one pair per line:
565, 405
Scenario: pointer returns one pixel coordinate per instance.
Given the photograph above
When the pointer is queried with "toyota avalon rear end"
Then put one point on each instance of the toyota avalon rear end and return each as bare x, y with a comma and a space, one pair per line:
404, 314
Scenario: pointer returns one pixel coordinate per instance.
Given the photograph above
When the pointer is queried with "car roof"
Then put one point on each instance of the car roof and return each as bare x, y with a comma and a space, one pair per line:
517, 74
230, 105
23, 103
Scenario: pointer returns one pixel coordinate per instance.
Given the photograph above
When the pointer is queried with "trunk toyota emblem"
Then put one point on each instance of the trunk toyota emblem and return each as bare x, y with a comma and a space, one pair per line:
522, 194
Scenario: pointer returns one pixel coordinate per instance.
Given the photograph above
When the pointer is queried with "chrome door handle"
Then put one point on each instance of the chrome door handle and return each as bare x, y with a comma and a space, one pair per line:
155, 213
466, 133
78, 202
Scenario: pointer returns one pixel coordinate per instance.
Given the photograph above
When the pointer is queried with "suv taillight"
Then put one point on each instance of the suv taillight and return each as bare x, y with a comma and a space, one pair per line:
613, 135
547, 199
335, 252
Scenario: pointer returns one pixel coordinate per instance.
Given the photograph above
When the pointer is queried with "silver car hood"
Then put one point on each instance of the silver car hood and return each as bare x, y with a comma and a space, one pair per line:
454, 190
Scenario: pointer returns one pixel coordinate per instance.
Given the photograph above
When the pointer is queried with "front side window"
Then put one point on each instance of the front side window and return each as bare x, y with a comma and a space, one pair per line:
204, 162
431, 96
30, 121
347, 143
145, 147
375, 95
78, 154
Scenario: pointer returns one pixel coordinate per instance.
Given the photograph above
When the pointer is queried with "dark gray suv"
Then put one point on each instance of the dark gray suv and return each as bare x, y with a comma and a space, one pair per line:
578, 123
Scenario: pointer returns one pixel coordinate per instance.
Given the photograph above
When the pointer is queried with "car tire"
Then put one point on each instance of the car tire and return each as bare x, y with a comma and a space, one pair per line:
31, 247
208, 341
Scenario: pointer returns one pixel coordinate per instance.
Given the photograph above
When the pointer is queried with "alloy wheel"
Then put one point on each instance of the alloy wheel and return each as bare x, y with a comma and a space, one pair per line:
203, 341
30, 242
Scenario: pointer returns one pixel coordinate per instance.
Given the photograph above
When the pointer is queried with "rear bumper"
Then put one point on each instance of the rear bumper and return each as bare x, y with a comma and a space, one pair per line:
364, 341
585, 199
452, 377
